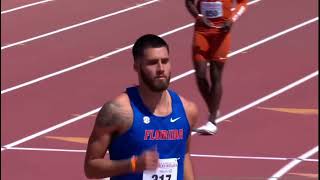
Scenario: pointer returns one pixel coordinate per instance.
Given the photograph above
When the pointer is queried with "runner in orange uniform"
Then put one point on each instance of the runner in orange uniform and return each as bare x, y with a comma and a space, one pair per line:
211, 44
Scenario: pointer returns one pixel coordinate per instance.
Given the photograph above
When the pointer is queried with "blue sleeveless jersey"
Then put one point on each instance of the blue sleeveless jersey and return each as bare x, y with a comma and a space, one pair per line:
168, 134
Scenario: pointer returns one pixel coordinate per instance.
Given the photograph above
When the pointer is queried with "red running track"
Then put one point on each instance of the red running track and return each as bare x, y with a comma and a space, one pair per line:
248, 76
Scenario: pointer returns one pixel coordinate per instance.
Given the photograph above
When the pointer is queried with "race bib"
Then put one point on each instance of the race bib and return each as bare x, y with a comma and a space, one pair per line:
211, 9
167, 170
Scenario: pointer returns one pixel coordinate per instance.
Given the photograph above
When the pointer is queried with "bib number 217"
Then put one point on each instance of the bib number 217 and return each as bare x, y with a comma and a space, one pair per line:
167, 170
162, 177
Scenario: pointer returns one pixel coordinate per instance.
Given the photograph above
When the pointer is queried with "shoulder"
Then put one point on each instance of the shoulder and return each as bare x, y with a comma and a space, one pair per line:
115, 114
191, 110
121, 102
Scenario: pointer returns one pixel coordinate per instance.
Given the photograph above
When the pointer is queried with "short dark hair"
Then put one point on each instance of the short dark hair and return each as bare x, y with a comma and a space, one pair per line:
147, 41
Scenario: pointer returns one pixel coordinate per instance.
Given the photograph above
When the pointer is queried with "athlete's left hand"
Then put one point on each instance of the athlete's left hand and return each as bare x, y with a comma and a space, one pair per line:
227, 26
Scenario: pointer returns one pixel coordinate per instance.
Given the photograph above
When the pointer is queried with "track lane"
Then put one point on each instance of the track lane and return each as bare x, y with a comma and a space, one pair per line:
81, 101
305, 170
69, 13
6, 5
87, 42
241, 144
120, 88
238, 172
23, 76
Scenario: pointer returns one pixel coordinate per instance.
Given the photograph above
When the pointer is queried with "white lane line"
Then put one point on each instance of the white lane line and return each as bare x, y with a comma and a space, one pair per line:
77, 25
251, 157
219, 119
293, 163
162, 35
24, 6
193, 155
265, 98
275, 36
46, 149
51, 128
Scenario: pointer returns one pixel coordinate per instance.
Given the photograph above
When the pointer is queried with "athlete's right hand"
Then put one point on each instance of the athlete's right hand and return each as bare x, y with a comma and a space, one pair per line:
148, 160
227, 26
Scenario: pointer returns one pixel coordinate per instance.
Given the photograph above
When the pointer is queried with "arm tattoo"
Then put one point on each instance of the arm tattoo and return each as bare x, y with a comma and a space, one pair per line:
110, 115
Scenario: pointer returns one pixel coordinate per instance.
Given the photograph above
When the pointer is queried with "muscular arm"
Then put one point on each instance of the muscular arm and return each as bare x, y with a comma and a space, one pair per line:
192, 114
109, 121
239, 10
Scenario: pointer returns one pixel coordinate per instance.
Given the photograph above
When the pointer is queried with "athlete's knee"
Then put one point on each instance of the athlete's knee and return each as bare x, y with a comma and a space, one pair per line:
216, 70
201, 75
200, 69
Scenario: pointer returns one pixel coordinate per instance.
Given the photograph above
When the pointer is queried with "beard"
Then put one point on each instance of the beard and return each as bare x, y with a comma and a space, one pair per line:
156, 85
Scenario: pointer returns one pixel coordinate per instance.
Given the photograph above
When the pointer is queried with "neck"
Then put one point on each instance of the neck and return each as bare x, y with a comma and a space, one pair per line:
158, 103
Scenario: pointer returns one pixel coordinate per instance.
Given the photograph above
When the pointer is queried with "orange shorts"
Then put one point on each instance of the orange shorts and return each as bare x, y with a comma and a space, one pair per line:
211, 46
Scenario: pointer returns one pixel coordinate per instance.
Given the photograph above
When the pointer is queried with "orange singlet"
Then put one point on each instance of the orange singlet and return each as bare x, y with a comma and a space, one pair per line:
210, 43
